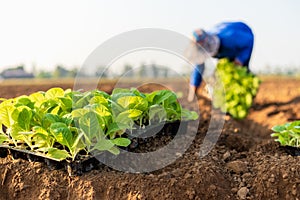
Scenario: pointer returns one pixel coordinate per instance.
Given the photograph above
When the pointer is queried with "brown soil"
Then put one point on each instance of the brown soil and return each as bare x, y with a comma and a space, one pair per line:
245, 164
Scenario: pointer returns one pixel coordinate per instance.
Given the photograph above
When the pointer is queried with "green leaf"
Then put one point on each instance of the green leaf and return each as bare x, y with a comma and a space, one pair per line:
49, 119
114, 150
133, 113
83, 100
126, 101
90, 126
67, 119
278, 128
100, 93
157, 111
116, 108
295, 124
117, 128
56, 154
39, 140
48, 105
103, 145
99, 100
14, 132
3, 138
248, 100
5, 114
102, 110
124, 142
133, 102
77, 145
79, 112
128, 116
56, 110
42, 137
24, 119
62, 134
65, 103
37, 98
41, 130
54, 92
241, 114
189, 115
161, 96
24, 101
121, 92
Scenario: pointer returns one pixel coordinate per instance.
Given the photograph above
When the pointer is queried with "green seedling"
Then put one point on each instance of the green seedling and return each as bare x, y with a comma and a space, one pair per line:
287, 134
61, 123
235, 89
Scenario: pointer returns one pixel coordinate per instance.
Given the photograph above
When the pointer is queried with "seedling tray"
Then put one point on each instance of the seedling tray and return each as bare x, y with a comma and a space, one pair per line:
84, 163
293, 151
80, 165
142, 135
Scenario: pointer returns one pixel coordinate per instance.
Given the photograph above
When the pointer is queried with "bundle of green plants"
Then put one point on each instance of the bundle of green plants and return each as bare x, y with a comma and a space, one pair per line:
287, 134
235, 89
59, 124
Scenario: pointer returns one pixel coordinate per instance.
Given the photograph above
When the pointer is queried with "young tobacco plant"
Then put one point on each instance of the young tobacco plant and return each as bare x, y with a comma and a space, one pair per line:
235, 89
287, 134
61, 123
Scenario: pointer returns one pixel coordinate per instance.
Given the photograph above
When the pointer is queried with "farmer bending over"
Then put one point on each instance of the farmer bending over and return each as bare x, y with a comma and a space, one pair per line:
232, 40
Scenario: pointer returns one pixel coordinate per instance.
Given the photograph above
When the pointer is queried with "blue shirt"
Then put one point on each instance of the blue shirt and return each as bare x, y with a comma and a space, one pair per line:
236, 41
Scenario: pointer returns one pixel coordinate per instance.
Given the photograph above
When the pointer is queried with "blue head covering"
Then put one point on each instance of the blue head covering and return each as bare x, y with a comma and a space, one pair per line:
209, 42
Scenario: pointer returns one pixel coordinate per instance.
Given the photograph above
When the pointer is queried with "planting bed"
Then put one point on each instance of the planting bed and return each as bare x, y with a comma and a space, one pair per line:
245, 164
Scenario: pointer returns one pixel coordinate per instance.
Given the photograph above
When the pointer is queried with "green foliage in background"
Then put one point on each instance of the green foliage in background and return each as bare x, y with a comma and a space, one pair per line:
235, 89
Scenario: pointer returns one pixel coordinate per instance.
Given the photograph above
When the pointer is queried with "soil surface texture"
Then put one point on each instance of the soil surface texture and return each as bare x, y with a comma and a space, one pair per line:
245, 163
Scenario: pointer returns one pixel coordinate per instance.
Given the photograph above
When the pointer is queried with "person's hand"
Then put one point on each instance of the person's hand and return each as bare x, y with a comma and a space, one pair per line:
192, 91
196, 34
207, 92
237, 62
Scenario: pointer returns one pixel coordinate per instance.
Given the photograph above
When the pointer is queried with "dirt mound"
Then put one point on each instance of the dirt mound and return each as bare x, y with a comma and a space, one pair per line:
244, 164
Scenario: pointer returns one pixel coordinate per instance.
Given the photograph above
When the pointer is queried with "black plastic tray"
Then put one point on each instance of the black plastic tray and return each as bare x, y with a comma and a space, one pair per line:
78, 166
293, 151
141, 136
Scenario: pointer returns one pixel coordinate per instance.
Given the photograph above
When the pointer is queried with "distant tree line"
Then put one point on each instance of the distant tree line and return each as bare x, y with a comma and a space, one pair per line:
59, 72
143, 71
129, 71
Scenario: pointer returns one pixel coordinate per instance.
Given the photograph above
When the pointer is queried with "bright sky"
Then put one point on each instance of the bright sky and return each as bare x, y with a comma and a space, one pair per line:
50, 32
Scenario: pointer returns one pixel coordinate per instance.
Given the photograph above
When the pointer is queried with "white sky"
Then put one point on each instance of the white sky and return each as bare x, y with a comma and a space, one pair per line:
47, 33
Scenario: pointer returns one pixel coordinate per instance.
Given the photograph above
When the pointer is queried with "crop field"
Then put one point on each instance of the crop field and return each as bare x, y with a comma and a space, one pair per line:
245, 163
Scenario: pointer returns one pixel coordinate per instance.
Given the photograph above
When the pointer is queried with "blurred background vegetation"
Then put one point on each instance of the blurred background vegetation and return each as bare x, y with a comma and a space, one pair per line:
128, 71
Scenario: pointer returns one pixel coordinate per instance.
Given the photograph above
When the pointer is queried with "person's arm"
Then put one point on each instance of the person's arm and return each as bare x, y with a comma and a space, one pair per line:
192, 91
244, 54
195, 80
